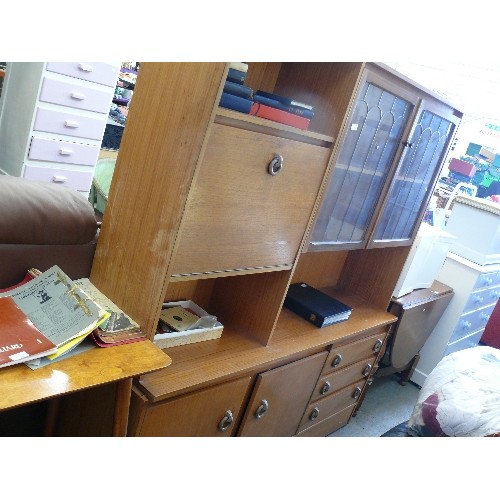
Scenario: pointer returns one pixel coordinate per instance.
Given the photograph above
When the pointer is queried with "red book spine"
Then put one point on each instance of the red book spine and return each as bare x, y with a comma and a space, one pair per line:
277, 115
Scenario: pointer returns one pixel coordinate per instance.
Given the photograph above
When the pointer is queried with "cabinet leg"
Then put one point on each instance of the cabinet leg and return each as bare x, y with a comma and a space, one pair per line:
122, 405
408, 372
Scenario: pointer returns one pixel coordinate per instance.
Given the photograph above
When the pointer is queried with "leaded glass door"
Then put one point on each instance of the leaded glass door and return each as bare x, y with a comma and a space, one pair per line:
414, 179
371, 144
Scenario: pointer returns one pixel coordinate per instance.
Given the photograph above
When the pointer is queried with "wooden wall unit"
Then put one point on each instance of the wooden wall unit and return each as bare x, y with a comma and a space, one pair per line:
193, 214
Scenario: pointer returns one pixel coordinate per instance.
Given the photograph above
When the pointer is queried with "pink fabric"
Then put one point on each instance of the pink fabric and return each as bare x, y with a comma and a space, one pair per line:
491, 334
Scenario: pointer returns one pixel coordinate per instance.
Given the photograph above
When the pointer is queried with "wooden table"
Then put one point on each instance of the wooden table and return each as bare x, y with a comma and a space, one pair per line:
19, 385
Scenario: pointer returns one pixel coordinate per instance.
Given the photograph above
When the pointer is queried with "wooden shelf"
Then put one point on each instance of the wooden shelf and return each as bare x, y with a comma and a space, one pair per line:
201, 364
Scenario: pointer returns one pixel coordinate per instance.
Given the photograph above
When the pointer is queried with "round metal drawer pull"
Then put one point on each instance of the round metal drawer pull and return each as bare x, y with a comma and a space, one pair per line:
261, 410
226, 421
356, 393
275, 165
314, 414
367, 369
336, 360
377, 346
325, 388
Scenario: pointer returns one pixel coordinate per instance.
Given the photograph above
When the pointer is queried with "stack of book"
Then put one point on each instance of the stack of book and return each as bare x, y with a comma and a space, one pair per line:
236, 95
282, 109
315, 306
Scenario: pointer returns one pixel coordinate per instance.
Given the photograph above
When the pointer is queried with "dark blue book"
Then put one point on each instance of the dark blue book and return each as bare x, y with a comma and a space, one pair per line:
283, 99
235, 103
236, 76
238, 89
296, 110
315, 306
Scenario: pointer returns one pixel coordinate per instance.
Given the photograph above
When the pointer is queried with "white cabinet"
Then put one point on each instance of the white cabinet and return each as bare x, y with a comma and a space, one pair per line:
477, 289
53, 120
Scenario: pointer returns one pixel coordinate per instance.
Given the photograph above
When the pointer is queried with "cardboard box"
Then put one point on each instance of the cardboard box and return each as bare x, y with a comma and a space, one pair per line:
172, 339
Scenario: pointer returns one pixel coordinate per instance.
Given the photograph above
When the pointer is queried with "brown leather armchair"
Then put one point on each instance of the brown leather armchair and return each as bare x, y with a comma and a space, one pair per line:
42, 225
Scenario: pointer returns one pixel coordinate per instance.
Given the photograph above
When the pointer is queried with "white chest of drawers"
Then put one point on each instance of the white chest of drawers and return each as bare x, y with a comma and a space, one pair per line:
52, 120
477, 289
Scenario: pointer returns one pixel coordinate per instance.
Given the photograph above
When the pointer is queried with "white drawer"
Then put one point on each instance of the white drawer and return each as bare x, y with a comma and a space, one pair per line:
469, 341
487, 280
63, 152
76, 96
98, 72
471, 322
482, 298
74, 179
62, 122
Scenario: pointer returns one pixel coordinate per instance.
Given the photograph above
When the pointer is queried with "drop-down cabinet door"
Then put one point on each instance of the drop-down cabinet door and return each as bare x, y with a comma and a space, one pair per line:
280, 397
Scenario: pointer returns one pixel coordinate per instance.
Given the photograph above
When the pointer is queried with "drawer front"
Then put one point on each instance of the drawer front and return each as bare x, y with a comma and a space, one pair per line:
482, 298
62, 122
74, 179
328, 425
342, 356
470, 322
328, 406
464, 343
240, 216
63, 152
486, 280
98, 72
76, 96
337, 380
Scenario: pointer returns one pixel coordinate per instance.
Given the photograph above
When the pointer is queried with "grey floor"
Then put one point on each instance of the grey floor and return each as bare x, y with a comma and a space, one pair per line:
386, 404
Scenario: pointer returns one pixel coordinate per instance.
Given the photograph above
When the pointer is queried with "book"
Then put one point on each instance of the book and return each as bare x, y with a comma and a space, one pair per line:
58, 308
296, 110
239, 66
315, 306
277, 115
179, 318
20, 339
236, 76
238, 89
283, 99
235, 103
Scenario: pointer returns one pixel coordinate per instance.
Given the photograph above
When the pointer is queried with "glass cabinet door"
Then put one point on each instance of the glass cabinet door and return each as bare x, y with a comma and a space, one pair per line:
371, 140
413, 181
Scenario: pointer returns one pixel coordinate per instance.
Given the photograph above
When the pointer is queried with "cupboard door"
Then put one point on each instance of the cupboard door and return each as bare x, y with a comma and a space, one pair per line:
280, 398
240, 215
412, 183
369, 147
210, 412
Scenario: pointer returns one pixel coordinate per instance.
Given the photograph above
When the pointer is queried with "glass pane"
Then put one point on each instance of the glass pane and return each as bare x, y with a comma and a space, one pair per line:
376, 127
410, 188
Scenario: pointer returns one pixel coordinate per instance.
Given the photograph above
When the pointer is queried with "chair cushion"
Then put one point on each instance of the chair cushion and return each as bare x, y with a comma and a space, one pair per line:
43, 214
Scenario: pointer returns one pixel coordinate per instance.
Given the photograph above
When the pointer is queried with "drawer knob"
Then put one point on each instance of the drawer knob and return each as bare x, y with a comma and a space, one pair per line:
325, 388
366, 370
59, 178
314, 414
275, 165
85, 67
356, 393
70, 124
261, 410
77, 95
226, 421
377, 346
466, 325
65, 152
336, 360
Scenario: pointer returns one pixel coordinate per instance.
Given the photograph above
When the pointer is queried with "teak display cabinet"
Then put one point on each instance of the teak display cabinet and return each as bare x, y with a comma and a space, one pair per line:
194, 213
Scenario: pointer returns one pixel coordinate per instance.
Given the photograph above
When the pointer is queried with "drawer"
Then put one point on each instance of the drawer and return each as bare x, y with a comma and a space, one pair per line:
97, 72
344, 355
66, 123
240, 216
74, 179
482, 298
328, 425
487, 280
328, 406
63, 152
464, 343
342, 378
76, 96
472, 321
